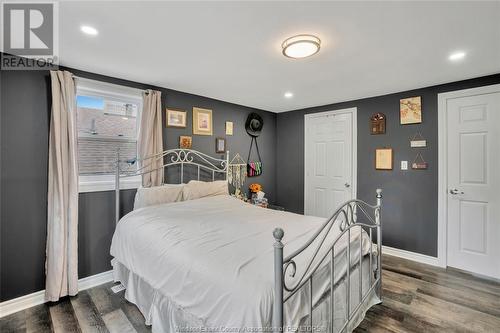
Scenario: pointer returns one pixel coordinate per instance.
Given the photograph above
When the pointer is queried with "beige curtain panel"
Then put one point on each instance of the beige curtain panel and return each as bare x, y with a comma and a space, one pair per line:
150, 138
61, 266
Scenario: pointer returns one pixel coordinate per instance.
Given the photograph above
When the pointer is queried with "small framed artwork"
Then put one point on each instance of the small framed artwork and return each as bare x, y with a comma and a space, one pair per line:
176, 118
377, 123
410, 110
185, 142
202, 121
229, 128
220, 145
383, 159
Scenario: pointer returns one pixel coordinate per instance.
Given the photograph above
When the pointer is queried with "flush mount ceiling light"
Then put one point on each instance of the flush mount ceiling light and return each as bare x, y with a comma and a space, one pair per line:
288, 94
301, 46
89, 30
455, 56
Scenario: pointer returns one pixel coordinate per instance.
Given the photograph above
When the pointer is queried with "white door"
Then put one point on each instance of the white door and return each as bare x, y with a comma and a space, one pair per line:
473, 178
330, 155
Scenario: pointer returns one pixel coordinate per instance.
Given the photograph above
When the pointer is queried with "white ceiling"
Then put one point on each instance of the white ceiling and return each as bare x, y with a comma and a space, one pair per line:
231, 50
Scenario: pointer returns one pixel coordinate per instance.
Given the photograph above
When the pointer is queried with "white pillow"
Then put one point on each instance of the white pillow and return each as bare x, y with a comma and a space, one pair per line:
148, 196
197, 189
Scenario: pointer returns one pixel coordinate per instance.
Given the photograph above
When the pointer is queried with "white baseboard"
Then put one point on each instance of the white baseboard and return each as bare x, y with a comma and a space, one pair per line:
413, 256
95, 280
21, 303
37, 298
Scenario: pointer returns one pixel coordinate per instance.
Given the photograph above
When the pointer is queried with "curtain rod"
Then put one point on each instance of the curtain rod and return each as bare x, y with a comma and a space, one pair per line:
85, 78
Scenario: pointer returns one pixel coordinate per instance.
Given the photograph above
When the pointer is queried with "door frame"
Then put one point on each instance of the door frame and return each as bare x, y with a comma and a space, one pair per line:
443, 98
354, 165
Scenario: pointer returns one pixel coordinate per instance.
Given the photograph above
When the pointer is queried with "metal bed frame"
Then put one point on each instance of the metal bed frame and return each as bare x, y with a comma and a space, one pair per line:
345, 218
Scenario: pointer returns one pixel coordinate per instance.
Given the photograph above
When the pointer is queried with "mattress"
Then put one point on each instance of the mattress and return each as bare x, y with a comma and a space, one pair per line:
209, 263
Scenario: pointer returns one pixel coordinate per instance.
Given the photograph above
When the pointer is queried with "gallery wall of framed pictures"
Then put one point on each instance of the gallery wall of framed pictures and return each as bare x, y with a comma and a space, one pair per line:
410, 114
202, 124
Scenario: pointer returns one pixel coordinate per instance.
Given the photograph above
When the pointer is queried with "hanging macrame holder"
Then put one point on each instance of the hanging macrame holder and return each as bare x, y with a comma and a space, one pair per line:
419, 163
254, 168
237, 171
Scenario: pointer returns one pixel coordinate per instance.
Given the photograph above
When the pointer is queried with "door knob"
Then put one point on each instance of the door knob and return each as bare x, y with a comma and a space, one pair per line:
455, 191
347, 185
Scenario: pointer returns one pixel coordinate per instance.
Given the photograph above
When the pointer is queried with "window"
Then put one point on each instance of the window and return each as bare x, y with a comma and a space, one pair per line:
107, 119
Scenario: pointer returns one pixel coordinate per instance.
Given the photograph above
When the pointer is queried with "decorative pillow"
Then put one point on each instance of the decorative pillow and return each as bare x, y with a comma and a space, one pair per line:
197, 189
148, 196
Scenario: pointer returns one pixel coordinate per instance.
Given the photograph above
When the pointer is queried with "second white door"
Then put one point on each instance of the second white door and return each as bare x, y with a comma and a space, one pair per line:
330, 161
473, 179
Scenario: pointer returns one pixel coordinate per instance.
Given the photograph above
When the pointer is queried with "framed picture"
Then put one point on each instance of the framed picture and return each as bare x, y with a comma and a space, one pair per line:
185, 142
220, 145
410, 110
377, 123
202, 121
176, 118
229, 128
383, 159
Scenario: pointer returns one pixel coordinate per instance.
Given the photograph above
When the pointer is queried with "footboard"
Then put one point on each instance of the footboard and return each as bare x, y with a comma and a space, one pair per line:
322, 250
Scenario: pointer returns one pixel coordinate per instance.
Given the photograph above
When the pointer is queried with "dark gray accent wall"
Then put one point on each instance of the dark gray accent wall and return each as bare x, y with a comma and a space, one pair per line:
25, 113
410, 197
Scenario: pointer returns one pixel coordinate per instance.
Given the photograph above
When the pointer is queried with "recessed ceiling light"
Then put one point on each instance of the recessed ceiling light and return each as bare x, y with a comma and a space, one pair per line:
459, 55
301, 46
288, 94
89, 30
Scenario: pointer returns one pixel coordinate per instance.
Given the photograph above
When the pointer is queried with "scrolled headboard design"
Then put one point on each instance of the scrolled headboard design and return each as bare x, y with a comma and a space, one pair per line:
171, 157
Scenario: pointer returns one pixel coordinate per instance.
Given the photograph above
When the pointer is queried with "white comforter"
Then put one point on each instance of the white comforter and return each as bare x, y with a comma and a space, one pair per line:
213, 257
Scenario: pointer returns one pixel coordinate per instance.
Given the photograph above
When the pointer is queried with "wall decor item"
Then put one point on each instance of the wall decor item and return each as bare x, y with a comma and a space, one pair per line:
185, 142
176, 118
377, 123
220, 145
419, 163
253, 126
229, 128
254, 168
237, 172
383, 158
418, 141
202, 121
410, 110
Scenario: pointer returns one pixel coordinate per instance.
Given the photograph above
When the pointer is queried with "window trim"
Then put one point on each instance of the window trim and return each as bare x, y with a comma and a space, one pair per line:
92, 88
100, 183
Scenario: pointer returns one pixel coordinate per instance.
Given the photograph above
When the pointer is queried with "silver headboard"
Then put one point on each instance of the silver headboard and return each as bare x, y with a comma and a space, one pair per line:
185, 158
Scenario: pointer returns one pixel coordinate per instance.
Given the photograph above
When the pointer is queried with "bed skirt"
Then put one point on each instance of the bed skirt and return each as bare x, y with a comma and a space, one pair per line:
164, 316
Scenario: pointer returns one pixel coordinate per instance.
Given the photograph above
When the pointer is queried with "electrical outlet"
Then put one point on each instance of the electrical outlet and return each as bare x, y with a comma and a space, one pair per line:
404, 165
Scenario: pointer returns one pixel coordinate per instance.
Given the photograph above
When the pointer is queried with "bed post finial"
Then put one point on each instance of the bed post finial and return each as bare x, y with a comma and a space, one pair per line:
278, 234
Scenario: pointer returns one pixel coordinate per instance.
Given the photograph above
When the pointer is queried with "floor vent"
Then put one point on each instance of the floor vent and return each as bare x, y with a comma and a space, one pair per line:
118, 288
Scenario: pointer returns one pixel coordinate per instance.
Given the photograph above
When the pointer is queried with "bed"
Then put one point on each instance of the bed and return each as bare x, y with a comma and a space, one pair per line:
210, 264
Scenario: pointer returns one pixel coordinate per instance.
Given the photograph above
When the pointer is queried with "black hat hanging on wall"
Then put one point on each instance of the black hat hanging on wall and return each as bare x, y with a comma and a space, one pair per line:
254, 126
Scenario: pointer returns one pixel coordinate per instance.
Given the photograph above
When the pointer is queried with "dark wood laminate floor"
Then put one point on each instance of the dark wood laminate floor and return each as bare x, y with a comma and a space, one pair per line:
417, 298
